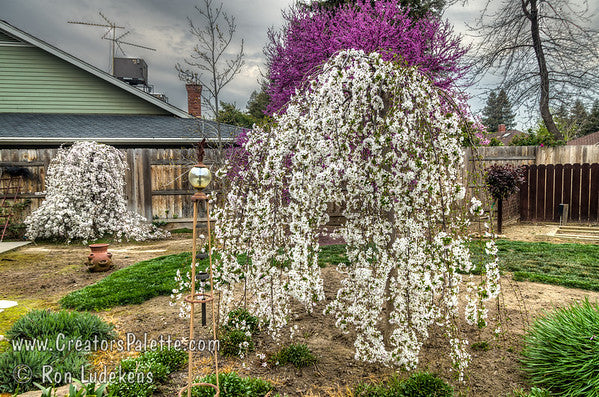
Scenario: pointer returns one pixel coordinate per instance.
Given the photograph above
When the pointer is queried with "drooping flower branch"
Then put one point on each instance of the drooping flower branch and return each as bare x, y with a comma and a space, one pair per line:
375, 138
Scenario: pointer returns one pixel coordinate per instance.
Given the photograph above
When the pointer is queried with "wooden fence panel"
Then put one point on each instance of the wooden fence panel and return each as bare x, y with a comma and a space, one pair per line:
156, 183
547, 186
524, 190
540, 204
567, 190
558, 196
532, 194
585, 174
594, 193
549, 191
575, 204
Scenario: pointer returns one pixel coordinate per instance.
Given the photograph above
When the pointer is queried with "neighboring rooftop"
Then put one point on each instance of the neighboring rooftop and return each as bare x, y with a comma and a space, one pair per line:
591, 139
503, 135
51, 129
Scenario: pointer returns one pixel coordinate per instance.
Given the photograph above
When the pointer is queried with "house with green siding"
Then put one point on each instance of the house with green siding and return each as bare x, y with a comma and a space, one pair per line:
49, 97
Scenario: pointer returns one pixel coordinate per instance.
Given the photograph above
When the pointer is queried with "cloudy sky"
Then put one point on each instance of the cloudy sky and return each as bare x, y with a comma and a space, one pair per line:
162, 24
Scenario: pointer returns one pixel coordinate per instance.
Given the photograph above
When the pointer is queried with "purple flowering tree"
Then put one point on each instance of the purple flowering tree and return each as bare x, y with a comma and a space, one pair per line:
312, 36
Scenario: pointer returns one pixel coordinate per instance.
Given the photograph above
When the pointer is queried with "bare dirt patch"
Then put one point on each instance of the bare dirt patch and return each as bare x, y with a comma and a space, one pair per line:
47, 272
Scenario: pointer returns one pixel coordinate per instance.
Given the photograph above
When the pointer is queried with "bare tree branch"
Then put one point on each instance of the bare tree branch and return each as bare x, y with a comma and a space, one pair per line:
211, 63
544, 50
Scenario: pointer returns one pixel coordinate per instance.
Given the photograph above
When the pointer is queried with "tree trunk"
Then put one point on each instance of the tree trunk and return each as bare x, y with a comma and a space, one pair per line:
499, 215
533, 17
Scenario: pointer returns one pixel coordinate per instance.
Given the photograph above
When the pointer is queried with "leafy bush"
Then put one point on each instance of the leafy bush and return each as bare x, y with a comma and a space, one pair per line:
38, 324
242, 319
503, 180
426, 385
236, 342
232, 385
422, 384
540, 136
87, 390
297, 354
35, 360
157, 276
142, 373
561, 350
534, 392
35, 342
172, 359
85, 198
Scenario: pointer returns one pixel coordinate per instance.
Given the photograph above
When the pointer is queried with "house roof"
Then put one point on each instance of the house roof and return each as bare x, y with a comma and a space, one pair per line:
504, 137
24, 37
591, 139
26, 129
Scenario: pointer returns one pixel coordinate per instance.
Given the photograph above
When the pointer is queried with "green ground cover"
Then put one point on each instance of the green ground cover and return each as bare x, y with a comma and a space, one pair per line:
569, 265
134, 284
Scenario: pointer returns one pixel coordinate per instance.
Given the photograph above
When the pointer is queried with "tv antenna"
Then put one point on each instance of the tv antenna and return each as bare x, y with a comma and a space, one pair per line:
111, 35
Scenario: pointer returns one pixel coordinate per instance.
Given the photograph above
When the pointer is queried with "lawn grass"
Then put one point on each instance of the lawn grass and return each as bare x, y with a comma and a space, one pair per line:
569, 265
132, 285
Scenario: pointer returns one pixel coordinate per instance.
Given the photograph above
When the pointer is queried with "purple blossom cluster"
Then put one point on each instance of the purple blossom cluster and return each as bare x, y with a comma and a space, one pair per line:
313, 35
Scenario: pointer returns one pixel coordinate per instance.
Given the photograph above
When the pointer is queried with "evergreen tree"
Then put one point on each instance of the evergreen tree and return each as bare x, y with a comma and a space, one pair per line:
258, 103
498, 110
418, 8
229, 114
578, 116
591, 124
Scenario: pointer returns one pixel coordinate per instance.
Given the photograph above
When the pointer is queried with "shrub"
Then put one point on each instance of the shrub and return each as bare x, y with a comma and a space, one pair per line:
35, 341
561, 350
141, 374
426, 385
242, 319
534, 392
172, 359
39, 324
85, 198
35, 360
232, 385
297, 354
503, 180
422, 384
236, 342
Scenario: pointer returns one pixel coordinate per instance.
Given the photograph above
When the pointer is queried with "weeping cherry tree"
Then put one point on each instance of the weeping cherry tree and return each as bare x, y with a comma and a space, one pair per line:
378, 139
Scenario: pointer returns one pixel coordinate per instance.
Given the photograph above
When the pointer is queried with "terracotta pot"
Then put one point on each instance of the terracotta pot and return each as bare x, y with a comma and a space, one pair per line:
100, 260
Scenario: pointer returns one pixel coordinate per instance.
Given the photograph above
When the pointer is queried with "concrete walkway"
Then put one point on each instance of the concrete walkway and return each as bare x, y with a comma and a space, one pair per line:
11, 245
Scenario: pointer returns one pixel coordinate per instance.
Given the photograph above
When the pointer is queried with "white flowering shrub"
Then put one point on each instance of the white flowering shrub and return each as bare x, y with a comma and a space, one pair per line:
85, 198
375, 138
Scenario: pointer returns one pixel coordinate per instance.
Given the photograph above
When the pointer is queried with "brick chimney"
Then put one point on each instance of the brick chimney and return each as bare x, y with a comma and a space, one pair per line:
500, 127
194, 99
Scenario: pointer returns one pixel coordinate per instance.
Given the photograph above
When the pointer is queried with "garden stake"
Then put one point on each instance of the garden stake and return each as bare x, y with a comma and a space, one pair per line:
199, 177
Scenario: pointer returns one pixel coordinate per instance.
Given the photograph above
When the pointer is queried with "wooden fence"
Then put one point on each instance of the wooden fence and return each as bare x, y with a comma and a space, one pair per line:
547, 186
156, 184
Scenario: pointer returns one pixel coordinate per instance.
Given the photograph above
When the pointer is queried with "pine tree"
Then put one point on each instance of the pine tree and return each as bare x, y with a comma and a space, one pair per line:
258, 103
498, 111
591, 124
578, 116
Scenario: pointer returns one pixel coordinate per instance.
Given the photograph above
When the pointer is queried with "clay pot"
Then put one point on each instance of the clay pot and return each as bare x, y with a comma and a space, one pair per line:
100, 260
